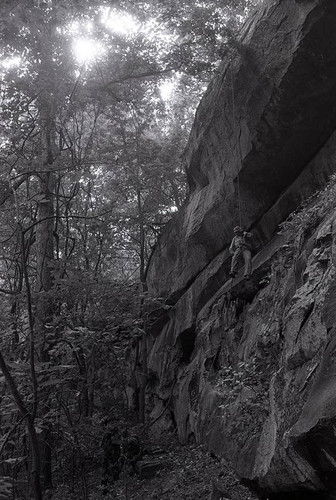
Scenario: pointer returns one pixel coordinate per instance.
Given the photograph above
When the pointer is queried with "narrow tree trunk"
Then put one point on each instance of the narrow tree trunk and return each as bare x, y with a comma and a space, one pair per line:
142, 241
143, 380
35, 468
44, 264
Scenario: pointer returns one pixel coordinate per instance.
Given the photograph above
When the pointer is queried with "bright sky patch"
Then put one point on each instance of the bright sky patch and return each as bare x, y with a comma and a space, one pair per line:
119, 22
87, 50
11, 62
167, 88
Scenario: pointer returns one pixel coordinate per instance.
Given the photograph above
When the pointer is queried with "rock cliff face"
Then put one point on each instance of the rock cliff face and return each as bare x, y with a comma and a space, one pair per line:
268, 112
249, 367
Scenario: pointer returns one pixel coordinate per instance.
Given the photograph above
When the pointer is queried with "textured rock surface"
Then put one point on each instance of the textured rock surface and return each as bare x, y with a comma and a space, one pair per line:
249, 368
282, 80
256, 379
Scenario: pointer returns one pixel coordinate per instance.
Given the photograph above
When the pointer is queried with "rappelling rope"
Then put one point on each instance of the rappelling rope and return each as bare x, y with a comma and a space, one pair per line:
229, 293
239, 147
237, 164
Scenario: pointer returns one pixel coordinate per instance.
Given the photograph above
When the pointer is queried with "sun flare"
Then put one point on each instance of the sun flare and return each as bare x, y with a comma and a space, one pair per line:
87, 50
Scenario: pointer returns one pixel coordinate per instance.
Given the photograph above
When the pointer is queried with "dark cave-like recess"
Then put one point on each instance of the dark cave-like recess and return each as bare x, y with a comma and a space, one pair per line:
187, 341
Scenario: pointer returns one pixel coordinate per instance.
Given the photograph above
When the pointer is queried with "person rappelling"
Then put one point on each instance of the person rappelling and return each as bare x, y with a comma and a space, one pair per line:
240, 249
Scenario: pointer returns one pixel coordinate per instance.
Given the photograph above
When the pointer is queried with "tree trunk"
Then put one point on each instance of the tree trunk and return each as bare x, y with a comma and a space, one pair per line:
142, 250
35, 467
143, 380
44, 266
44, 258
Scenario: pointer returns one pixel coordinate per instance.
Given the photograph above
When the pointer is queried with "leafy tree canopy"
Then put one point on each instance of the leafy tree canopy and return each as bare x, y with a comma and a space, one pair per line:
97, 99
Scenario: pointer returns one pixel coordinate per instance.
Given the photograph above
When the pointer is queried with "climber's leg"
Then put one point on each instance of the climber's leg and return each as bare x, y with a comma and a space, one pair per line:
235, 262
248, 262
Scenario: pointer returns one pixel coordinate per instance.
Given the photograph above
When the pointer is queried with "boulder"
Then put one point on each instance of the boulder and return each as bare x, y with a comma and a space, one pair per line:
148, 469
219, 492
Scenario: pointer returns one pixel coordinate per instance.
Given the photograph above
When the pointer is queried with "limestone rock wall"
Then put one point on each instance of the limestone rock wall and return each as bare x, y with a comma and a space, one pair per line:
249, 367
266, 114
254, 377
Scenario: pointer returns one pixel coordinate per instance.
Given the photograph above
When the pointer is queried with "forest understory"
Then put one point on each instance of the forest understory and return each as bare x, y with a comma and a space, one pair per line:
188, 473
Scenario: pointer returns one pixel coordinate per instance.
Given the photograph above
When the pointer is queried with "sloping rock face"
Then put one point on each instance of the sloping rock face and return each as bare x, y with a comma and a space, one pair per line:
249, 367
255, 377
267, 113
266, 368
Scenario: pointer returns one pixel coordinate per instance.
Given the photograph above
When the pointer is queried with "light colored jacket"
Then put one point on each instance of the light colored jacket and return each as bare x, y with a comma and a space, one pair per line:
240, 241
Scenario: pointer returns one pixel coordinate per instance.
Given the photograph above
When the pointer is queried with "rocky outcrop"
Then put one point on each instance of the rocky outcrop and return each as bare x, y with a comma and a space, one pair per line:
254, 377
248, 367
265, 116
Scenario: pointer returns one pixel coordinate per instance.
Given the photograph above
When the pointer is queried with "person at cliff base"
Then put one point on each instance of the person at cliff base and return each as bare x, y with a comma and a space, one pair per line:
240, 249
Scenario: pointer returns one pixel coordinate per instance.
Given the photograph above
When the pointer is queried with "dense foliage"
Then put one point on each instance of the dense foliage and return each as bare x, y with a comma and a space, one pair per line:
90, 173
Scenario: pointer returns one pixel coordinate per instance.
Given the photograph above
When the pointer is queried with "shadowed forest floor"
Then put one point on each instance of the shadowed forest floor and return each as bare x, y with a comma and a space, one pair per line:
188, 473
